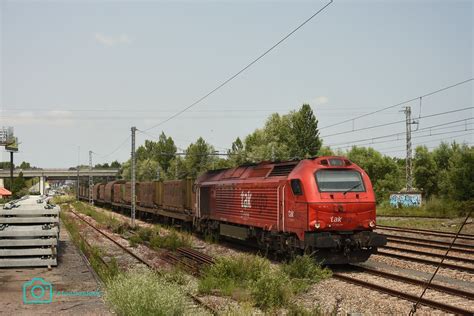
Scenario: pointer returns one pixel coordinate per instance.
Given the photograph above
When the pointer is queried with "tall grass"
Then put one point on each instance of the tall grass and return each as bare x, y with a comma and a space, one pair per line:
112, 223
144, 292
253, 278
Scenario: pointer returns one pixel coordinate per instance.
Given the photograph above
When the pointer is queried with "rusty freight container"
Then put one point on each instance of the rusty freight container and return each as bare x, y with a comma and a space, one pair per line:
95, 191
101, 193
158, 196
177, 195
146, 194
109, 191
117, 192
127, 192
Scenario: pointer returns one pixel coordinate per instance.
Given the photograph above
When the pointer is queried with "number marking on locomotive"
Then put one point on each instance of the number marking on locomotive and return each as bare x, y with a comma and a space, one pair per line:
246, 199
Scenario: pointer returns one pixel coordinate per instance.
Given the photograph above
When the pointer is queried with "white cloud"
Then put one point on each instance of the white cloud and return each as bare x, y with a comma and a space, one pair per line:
321, 100
49, 118
110, 41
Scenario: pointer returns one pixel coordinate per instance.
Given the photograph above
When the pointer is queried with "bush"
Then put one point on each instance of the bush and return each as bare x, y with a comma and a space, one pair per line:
271, 290
304, 271
171, 241
233, 275
143, 292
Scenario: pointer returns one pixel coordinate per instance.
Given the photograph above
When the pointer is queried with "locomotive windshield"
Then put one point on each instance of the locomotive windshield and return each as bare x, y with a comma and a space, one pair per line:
340, 180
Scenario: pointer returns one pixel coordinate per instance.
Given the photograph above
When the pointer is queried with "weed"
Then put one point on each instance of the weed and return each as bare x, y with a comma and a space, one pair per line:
271, 290
304, 271
135, 240
171, 241
144, 292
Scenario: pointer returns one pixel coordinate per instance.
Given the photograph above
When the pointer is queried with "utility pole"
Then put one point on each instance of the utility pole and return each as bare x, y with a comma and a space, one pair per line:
133, 197
91, 181
409, 178
11, 171
78, 166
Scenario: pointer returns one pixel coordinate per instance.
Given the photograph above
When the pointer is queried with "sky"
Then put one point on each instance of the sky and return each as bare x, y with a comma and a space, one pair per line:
77, 75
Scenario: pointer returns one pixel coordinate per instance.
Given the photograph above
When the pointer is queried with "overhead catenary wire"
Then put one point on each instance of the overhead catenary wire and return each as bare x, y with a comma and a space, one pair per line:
396, 122
414, 137
403, 133
225, 82
116, 149
398, 104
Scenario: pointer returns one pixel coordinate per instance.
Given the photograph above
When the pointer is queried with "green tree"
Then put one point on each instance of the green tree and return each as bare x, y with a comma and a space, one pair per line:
115, 165
425, 171
305, 133
165, 151
199, 157
25, 165
237, 154
461, 174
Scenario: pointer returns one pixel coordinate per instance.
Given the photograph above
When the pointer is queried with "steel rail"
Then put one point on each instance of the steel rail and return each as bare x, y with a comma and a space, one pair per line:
438, 242
426, 232
405, 279
423, 244
192, 296
404, 295
425, 261
425, 253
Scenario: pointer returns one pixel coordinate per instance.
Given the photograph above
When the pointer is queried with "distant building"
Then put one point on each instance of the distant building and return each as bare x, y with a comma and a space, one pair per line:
4, 193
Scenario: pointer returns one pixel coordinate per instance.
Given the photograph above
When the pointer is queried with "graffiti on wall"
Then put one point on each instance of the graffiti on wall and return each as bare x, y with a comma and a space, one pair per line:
405, 200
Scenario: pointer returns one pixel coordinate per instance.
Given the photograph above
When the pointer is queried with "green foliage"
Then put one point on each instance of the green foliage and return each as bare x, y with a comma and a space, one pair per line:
271, 290
425, 172
144, 292
305, 267
460, 177
171, 240
294, 135
198, 158
306, 133
253, 278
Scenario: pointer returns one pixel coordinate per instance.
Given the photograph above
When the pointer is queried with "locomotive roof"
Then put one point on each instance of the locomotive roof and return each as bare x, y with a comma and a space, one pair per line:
252, 170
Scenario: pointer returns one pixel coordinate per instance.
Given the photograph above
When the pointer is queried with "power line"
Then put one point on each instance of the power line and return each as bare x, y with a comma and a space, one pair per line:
421, 136
398, 104
396, 122
432, 127
425, 142
116, 149
225, 82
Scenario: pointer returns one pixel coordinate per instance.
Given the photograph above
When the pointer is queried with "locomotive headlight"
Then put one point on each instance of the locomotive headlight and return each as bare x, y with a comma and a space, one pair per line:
372, 224
317, 225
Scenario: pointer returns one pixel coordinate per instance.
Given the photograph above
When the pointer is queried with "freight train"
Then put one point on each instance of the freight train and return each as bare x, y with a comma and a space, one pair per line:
323, 205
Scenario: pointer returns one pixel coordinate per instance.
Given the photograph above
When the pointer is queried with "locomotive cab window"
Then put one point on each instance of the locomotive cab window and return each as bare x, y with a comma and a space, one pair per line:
341, 180
296, 187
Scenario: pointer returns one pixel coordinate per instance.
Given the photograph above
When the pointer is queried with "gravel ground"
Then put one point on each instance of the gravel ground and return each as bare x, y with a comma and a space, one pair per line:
332, 295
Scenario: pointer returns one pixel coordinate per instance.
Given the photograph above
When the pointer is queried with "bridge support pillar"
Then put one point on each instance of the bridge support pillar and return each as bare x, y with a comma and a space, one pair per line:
42, 184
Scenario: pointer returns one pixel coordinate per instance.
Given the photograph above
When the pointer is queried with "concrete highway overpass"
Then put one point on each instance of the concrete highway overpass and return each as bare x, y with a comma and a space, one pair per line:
59, 174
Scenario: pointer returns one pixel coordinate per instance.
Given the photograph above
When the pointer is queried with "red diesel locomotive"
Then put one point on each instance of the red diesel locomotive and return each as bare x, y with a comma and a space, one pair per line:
324, 205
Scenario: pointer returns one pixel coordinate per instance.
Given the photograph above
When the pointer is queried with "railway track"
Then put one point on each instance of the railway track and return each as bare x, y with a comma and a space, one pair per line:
405, 294
426, 232
183, 251
430, 254
193, 261
434, 244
